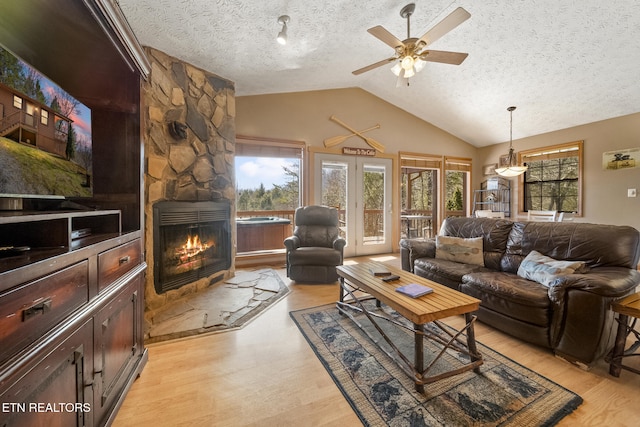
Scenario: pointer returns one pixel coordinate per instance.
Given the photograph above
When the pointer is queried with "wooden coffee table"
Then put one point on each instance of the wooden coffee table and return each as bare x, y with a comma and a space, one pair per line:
443, 302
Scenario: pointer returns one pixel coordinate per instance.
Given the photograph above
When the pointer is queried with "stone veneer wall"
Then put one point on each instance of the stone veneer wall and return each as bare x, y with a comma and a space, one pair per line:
197, 168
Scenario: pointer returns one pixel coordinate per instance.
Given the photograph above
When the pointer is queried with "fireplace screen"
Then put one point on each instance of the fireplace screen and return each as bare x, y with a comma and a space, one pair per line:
192, 240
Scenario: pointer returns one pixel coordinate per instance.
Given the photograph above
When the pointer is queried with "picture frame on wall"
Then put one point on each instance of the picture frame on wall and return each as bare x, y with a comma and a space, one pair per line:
488, 170
504, 161
621, 159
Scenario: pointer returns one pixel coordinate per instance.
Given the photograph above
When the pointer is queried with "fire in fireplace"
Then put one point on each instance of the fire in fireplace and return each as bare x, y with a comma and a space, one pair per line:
192, 240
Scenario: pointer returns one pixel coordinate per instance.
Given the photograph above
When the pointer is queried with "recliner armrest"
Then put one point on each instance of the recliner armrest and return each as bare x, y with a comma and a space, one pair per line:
339, 244
292, 243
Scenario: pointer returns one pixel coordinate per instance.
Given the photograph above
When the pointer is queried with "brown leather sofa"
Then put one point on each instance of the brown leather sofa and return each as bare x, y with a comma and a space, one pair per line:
571, 316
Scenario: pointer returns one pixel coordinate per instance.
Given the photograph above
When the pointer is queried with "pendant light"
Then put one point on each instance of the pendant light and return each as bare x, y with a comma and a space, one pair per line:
511, 169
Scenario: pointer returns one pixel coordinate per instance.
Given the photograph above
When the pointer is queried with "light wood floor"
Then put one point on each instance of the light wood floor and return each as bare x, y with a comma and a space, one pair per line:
267, 375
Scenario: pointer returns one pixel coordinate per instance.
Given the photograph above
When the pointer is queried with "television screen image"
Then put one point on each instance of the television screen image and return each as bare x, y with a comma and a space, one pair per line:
45, 136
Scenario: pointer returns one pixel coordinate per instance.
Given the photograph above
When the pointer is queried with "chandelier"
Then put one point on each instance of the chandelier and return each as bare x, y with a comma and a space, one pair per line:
511, 168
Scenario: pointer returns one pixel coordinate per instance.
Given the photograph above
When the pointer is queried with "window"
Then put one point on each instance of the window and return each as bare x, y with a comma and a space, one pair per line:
432, 188
457, 186
553, 180
17, 102
44, 117
419, 194
268, 176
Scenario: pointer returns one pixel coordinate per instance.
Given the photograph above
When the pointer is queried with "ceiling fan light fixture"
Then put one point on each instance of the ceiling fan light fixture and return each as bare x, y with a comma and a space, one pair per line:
512, 168
419, 65
409, 73
407, 62
282, 35
396, 69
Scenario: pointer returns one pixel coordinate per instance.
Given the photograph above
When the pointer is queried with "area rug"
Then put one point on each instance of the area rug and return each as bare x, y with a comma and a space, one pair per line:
221, 307
503, 393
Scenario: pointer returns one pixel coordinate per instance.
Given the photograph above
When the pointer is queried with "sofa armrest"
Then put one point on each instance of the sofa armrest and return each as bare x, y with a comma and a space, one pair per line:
412, 249
609, 282
583, 326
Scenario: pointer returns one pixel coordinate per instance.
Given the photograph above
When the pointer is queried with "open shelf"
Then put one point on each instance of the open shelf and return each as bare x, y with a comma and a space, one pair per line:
36, 236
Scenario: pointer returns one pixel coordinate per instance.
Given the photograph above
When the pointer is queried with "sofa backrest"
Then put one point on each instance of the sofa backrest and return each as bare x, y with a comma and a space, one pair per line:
495, 234
598, 245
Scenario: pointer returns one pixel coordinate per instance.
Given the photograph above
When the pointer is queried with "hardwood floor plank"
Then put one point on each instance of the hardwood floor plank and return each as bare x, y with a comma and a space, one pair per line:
266, 374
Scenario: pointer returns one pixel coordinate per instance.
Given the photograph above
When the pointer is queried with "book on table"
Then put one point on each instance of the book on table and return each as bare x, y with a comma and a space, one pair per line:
379, 271
414, 290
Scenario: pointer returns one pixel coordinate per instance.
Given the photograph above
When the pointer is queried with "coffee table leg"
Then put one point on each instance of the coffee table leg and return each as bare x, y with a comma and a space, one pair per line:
471, 339
418, 361
341, 286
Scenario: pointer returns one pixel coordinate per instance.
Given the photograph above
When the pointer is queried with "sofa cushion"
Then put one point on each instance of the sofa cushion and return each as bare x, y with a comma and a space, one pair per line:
544, 269
315, 256
448, 273
510, 295
495, 233
467, 251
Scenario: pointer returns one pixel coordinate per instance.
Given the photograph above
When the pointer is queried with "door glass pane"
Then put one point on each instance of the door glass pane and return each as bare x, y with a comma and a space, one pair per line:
373, 197
334, 189
455, 204
418, 198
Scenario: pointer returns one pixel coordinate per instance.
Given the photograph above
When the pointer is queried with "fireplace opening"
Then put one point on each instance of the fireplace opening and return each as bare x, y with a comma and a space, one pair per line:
192, 240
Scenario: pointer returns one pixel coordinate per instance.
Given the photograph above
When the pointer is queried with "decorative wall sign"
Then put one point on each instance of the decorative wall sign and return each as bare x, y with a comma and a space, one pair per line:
488, 170
621, 159
351, 151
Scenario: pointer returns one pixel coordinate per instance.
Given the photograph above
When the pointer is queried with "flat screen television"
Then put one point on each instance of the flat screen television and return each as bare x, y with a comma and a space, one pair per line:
45, 136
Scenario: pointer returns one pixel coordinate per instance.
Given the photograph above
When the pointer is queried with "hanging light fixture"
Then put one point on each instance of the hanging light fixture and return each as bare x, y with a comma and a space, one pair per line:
511, 169
282, 35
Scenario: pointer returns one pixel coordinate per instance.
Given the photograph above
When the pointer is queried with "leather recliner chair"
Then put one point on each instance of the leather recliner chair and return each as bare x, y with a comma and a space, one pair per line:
316, 248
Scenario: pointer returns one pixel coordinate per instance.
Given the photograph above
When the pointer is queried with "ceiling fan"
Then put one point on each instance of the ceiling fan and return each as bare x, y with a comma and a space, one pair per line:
412, 53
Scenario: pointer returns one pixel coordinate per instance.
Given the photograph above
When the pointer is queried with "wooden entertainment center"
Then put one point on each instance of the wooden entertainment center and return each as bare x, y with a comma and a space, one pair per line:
72, 278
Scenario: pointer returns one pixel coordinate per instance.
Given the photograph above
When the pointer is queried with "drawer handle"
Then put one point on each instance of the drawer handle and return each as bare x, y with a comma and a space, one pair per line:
124, 260
40, 308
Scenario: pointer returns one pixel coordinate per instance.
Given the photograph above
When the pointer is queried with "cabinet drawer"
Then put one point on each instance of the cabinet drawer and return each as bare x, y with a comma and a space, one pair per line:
117, 261
29, 310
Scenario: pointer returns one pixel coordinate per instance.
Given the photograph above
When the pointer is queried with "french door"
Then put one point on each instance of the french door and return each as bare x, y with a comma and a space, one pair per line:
360, 188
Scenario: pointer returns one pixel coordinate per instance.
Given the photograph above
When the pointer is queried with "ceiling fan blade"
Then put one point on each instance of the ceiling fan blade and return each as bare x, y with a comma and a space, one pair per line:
372, 66
454, 58
385, 36
454, 19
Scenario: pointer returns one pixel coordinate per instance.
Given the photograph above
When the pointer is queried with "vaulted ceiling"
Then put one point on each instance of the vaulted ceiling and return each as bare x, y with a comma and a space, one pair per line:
562, 63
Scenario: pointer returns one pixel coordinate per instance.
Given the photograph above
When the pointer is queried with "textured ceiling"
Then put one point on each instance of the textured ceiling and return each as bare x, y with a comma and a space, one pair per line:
562, 63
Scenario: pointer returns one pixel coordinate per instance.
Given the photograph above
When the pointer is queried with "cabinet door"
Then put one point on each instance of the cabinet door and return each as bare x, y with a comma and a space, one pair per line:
118, 345
54, 391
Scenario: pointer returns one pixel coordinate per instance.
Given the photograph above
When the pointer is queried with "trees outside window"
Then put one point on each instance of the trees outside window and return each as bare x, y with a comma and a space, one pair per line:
553, 178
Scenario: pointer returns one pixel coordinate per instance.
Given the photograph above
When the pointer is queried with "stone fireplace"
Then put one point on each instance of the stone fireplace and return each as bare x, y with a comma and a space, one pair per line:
189, 134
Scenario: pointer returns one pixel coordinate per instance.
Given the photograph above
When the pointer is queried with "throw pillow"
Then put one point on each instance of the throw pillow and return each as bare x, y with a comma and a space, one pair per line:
458, 249
544, 269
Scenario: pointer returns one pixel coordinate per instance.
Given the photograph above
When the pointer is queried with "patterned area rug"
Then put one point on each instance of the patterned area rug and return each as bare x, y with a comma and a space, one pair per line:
220, 307
503, 393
